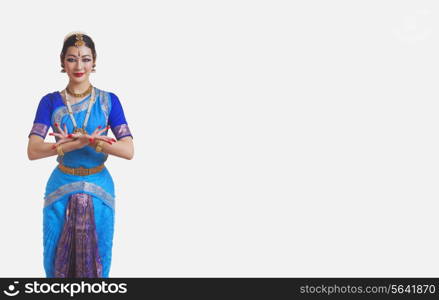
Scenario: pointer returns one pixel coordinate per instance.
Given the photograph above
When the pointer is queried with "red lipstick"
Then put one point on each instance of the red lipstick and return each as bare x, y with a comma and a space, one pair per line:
78, 74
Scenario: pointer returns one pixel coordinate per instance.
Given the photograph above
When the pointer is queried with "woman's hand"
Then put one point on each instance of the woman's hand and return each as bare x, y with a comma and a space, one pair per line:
96, 135
85, 139
63, 136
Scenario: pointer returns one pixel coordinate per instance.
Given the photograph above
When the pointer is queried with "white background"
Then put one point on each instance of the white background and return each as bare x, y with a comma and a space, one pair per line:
272, 138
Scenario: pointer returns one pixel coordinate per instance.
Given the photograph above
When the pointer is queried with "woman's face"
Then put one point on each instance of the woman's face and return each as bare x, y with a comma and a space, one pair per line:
78, 63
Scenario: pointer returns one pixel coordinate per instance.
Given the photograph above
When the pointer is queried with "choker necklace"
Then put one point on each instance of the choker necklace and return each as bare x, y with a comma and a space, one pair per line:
80, 95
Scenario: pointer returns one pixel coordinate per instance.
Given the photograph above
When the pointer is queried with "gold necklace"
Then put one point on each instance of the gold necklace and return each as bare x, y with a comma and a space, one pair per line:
80, 95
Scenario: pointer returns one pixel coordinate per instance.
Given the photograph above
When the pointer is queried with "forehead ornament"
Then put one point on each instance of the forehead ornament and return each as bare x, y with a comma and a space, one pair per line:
79, 40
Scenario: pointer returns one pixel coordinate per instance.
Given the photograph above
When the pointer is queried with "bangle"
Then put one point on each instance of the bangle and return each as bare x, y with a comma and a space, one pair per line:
99, 146
59, 150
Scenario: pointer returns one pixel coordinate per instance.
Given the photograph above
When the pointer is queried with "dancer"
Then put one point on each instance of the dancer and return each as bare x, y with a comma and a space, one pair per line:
79, 202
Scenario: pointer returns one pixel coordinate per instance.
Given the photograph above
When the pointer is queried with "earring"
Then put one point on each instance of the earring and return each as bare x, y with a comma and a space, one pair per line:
93, 70
62, 70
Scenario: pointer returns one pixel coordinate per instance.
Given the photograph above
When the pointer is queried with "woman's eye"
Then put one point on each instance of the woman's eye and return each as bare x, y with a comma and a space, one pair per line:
86, 60
71, 60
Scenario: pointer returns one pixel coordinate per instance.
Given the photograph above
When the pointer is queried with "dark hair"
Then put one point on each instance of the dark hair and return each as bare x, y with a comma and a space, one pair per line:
71, 40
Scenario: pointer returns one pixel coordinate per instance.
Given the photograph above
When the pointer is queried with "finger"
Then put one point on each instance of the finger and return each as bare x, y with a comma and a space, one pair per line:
74, 135
86, 137
65, 129
103, 130
56, 134
60, 129
96, 130
63, 141
57, 127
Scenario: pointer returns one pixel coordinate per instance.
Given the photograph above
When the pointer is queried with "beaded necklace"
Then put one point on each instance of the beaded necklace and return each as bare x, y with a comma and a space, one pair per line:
69, 107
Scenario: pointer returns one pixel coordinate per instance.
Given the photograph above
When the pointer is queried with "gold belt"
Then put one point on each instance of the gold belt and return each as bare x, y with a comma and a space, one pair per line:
80, 171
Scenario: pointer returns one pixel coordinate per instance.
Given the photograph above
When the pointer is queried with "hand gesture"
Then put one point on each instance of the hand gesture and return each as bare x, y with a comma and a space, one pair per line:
96, 135
63, 135
86, 139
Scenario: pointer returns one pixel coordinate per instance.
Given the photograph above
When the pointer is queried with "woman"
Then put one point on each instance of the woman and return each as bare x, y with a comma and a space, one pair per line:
78, 213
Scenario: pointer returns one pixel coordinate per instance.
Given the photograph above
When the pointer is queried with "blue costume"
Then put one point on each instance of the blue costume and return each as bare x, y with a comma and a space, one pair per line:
77, 236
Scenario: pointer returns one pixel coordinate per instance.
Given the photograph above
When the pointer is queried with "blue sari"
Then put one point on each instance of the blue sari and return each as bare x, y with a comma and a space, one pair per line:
71, 200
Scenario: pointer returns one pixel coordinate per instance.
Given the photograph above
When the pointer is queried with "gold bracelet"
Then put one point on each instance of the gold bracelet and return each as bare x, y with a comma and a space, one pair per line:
99, 146
59, 150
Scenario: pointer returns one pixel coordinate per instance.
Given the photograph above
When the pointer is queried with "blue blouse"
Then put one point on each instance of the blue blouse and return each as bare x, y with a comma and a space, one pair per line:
50, 102
106, 110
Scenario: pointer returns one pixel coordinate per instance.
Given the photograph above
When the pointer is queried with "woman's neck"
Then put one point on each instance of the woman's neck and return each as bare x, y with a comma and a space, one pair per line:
78, 88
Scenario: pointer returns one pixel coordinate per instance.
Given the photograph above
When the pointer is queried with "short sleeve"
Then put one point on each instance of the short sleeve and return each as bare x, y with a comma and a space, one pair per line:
42, 118
117, 120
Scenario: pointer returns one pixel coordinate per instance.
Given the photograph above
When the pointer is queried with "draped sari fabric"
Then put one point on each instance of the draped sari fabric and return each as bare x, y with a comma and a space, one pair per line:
78, 212
76, 254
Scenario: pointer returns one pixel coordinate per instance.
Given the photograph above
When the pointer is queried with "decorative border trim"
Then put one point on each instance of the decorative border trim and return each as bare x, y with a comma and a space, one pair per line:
104, 98
39, 129
79, 186
121, 131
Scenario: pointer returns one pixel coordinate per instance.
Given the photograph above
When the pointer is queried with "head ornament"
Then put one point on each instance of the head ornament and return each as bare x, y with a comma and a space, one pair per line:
79, 37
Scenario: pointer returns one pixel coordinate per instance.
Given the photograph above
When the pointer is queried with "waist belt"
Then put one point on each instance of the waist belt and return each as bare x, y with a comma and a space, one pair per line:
80, 171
